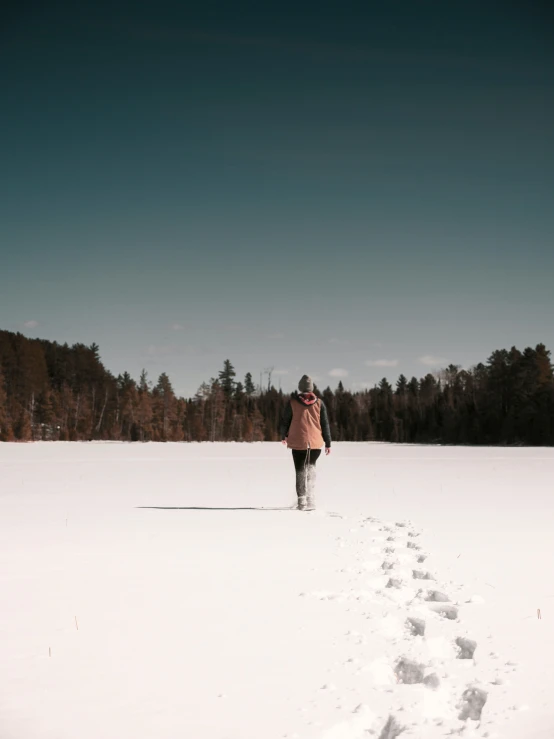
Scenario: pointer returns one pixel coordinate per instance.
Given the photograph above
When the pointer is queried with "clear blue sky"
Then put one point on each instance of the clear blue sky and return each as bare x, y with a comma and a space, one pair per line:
314, 188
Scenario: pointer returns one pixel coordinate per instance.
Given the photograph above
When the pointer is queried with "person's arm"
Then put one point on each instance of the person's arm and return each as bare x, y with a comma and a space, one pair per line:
286, 421
325, 428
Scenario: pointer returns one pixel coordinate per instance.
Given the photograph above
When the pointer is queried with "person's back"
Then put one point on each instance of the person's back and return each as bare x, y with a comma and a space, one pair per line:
305, 429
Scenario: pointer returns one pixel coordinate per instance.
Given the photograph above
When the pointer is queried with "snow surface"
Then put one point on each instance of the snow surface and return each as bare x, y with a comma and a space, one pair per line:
166, 591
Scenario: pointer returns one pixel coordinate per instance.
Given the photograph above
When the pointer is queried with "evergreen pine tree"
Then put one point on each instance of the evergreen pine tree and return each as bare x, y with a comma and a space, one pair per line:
165, 411
226, 378
144, 412
249, 387
144, 383
401, 385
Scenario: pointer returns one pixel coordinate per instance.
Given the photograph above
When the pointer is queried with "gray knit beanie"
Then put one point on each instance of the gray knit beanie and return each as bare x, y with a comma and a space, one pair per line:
306, 384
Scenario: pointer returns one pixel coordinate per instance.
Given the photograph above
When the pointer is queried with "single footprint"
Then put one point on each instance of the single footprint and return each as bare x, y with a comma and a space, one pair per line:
409, 672
473, 701
432, 681
421, 575
416, 626
466, 647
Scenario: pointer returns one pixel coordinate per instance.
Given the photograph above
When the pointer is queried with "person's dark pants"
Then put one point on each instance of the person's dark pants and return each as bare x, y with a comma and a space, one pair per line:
304, 464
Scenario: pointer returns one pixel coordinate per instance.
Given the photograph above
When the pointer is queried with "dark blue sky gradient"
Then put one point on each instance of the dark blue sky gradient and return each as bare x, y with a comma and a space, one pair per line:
309, 189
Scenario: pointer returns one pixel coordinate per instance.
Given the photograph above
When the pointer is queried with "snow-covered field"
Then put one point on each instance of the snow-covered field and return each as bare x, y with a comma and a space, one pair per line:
165, 592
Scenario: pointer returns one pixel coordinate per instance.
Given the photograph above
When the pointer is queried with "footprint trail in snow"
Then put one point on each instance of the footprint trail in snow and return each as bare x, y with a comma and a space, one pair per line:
412, 669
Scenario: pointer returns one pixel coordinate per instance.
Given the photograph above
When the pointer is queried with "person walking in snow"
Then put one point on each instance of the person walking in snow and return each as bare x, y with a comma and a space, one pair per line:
305, 429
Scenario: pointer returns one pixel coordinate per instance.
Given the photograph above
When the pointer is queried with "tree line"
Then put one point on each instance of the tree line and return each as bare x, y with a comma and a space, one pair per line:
51, 391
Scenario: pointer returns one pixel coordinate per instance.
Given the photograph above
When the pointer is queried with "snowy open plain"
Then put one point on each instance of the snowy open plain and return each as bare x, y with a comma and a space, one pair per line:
165, 591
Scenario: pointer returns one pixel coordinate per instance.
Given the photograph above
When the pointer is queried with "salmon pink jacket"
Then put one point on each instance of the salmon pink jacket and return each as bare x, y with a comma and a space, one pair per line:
305, 422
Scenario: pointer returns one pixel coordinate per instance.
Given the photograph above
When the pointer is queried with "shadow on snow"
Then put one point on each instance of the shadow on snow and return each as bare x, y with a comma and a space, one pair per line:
207, 508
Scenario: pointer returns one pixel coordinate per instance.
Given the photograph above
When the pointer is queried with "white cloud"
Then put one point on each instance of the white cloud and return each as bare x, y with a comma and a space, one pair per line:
338, 372
382, 362
30, 324
430, 361
177, 327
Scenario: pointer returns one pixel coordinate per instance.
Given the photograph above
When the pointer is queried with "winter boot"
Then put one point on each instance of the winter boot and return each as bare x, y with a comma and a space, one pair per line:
302, 503
310, 491
301, 483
